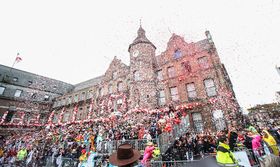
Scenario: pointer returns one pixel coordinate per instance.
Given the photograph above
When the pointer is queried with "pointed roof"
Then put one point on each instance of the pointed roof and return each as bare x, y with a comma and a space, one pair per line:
141, 38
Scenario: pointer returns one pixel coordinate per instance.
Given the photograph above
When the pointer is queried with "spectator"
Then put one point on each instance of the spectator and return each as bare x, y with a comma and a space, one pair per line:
271, 161
125, 156
224, 155
270, 141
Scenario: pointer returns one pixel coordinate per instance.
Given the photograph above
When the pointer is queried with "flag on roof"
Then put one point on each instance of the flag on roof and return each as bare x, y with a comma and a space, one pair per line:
18, 58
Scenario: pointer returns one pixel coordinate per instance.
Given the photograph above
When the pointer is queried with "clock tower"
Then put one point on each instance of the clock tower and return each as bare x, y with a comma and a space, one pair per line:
142, 72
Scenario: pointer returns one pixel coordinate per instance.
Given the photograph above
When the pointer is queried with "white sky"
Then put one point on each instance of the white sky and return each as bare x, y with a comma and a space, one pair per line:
74, 41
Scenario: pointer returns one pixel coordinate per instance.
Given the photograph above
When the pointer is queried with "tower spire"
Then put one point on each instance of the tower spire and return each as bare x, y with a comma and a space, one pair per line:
141, 37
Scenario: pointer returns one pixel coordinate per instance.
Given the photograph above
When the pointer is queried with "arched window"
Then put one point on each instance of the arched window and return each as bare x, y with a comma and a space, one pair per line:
136, 75
177, 54
100, 92
110, 89
120, 86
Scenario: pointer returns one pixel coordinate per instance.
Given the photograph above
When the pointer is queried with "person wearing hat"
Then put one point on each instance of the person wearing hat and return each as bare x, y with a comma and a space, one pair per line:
125, 156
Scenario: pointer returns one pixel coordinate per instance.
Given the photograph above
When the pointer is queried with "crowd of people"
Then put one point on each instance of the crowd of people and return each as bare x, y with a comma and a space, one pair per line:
82, 142
33, 147
259, 141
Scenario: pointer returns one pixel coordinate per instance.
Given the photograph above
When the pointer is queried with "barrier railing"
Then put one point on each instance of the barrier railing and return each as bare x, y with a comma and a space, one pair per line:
172, 163
208, 161
108, 147
166, 139
257, 155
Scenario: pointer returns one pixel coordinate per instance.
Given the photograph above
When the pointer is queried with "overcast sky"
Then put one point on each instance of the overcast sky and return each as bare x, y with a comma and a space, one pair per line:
74, 41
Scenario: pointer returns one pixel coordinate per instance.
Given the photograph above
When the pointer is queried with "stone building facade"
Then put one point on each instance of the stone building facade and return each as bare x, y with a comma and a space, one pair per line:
26, 98
188, 76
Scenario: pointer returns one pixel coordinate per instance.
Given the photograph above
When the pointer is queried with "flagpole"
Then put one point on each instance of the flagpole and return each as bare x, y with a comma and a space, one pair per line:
14, 63
12, 66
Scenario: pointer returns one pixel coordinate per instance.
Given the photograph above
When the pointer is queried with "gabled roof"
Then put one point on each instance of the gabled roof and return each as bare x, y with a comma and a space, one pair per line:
89, 83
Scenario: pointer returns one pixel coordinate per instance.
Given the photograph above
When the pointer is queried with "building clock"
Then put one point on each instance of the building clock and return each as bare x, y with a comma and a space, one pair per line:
135, 53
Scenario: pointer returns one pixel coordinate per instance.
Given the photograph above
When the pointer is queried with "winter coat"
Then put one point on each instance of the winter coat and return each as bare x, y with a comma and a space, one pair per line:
22, 154
224, 155
271, 142
256, 142
232, 139
148, 153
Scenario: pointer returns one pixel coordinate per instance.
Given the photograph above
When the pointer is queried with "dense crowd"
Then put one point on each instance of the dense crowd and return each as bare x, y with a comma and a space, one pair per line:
264, 140
68, 141
81, 141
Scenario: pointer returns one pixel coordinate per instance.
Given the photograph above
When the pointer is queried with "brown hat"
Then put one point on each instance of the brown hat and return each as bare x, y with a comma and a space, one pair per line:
125, 155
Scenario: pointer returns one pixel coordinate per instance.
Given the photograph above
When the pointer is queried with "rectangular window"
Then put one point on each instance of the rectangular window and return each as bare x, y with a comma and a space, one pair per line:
89, 94
174, 94
2, 89
100, 92
136, 75
46, 98
83, 95
210, 87
18, 93
197, 121
114, 75
119, 101
120, 86
110, 89
203, 62
58, 102
171, 72
159, 75
76, 98
63, 101
69, 99
161, 98
15, 79
191, 91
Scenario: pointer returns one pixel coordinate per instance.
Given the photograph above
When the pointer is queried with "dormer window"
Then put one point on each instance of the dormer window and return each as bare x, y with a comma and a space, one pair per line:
30, 83
2, 89
177, 54
15, 79
34, 95
46, 98
18, 93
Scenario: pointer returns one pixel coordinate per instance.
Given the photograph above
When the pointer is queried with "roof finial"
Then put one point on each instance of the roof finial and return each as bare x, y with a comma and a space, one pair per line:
140, 22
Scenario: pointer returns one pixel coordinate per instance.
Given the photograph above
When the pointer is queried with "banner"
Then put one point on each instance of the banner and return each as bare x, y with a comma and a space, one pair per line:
242, 158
